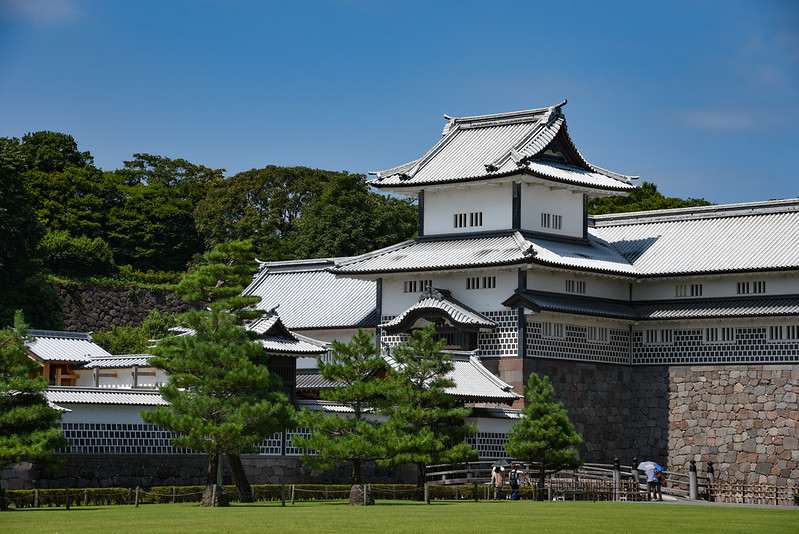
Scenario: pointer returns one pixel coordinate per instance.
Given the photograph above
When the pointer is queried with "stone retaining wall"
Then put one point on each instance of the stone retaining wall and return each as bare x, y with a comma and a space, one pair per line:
95, 308
743, 418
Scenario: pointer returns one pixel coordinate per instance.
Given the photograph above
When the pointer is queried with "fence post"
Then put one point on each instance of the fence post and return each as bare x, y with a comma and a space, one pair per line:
86, 497
693, 492
293, 487
66, 497
636, 482
475, 492
282, 495
174, 494
616, 478
426, 493
136, 502
36, 498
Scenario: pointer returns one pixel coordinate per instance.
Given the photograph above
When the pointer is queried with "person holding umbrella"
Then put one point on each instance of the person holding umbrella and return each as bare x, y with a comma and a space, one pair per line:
652, 485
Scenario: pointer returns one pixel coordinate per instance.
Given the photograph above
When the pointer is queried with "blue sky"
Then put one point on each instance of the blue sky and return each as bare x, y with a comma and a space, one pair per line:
701, 97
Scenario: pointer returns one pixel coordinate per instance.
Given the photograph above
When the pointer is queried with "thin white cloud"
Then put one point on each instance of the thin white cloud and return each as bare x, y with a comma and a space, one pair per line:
40, 12
721, 121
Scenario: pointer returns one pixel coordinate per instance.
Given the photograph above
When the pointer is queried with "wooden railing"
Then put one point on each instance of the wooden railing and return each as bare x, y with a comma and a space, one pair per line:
594, 481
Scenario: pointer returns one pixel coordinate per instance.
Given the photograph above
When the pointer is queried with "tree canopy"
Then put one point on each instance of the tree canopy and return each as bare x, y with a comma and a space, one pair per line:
425, 425
646, 197
544, 436
223, 399
336, 439
28, 425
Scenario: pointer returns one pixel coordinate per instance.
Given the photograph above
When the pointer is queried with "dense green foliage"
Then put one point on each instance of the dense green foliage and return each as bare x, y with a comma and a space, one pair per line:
223, 399
356, 438
544, 435
424, 424
348, 219
22, 284
28, 429
136, 339
646, 197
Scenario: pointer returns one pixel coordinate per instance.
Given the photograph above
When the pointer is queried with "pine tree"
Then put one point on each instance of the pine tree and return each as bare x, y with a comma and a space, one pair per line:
28, 425
223, 399
544, 436
337, 439
426, 427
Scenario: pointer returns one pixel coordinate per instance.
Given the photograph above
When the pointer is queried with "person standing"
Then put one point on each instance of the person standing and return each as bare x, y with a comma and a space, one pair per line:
498, 481
514, 482
651, 484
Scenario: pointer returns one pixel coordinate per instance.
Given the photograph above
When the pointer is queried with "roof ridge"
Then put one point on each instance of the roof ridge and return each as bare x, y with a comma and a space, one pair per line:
714, 211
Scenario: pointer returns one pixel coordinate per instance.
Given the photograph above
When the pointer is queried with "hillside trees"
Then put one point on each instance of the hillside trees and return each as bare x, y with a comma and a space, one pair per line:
646, 197
358, 438
28, 425
22, 285
223, 399
425, 426
544, 435
347, 218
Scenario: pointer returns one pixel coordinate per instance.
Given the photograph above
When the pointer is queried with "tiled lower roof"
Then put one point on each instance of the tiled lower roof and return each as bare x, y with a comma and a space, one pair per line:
119, 362
54, 346
718, 308
538, 301
473, 382
82, 395
440, 301
688, 308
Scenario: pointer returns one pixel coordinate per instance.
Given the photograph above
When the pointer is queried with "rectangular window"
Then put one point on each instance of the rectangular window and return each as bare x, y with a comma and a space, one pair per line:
792, 332
661, 336
745, 288
728, 334
775, 333
485, 282
549, 220
686, 290
416, 286
462, 220
597, 333
575, 286
554, 330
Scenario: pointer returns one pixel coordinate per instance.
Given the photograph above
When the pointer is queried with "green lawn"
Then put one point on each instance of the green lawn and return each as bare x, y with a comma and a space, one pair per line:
398, 516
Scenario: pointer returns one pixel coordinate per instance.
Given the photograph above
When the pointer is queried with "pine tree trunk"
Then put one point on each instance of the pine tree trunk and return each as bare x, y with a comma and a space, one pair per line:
240, 478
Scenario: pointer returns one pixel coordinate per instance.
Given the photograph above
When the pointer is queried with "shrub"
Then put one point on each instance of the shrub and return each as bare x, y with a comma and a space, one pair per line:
76, 256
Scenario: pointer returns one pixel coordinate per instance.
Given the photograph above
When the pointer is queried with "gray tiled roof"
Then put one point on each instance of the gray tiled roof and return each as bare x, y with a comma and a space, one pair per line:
504, 144
312, 379
53, 346
718, 308
441, 301
488, 251
275, 337
308, 296
473, 382
119, 362
688, 308
81, 395
537, 301
732, 238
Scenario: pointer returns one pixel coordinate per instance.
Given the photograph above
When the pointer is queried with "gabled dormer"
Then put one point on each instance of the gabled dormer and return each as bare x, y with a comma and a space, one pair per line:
517, 171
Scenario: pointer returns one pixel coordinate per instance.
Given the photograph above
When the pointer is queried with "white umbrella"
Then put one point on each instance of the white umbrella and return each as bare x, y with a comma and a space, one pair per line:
646, 466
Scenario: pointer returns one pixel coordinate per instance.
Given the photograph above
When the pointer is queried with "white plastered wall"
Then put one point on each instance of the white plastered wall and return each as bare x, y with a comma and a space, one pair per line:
538, 199
495, 202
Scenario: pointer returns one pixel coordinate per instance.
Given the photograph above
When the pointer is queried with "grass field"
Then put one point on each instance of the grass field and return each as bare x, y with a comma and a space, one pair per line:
393, 516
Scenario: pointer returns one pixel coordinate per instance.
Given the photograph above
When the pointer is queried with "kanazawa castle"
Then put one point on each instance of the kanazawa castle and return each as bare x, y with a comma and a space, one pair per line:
670, 335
